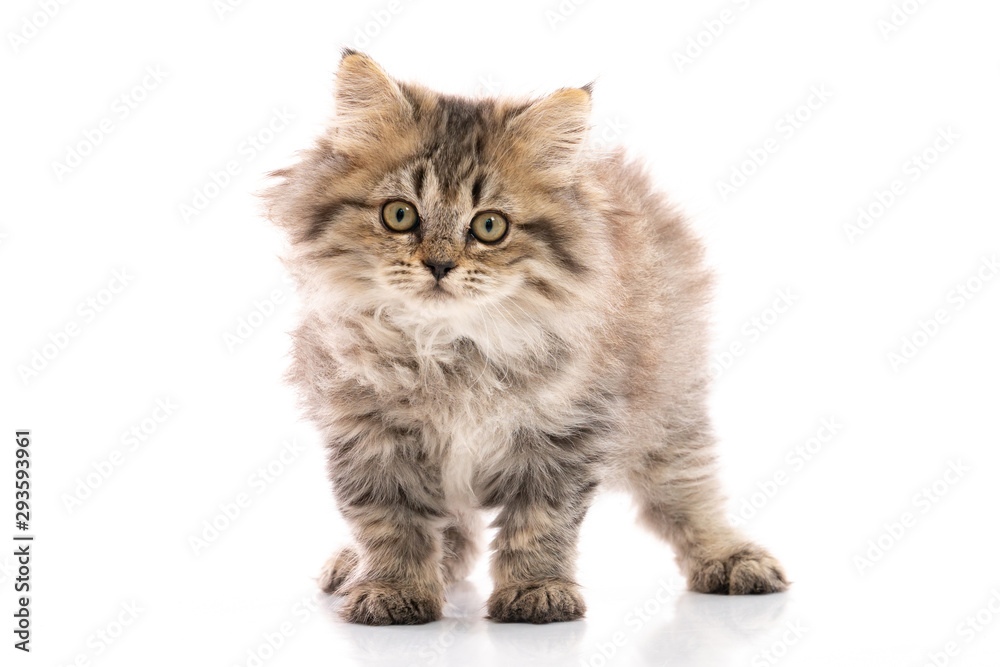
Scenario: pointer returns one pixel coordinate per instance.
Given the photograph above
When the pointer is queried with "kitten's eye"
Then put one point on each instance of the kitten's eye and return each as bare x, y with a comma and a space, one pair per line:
489, 227
400, 216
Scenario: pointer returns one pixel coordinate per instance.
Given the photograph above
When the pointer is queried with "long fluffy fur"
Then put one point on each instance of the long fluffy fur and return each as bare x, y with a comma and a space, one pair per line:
570, 355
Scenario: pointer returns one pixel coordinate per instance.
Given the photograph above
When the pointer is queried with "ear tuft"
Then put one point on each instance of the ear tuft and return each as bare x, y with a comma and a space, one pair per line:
570, 98
370, 106
551, 130
361, 81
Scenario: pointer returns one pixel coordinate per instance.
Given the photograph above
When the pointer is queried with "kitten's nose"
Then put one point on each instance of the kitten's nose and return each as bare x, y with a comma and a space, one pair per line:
439, 268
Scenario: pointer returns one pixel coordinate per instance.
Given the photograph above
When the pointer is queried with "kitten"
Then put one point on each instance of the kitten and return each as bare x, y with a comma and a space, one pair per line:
497, 318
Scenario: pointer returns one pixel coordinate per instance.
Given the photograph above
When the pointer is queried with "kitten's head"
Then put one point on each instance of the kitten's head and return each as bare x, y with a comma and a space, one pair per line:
438, 204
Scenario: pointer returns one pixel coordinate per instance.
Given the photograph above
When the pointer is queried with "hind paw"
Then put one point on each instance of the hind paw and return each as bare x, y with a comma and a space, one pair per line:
748, 570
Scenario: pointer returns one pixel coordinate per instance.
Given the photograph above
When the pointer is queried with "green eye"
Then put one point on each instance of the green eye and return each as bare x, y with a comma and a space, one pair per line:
400, 216
489, 227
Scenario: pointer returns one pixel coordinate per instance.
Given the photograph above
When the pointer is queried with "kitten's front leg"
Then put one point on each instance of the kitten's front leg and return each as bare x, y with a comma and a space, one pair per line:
390, 494
534, 551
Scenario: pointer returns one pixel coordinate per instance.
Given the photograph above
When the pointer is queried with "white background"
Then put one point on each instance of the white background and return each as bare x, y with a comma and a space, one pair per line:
889, 90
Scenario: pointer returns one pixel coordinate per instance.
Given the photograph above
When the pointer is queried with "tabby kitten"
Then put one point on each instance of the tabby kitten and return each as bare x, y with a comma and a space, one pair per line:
497, 318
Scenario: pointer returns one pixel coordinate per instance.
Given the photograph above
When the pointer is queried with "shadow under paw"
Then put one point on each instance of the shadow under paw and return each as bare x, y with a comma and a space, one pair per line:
546, 601
750, 570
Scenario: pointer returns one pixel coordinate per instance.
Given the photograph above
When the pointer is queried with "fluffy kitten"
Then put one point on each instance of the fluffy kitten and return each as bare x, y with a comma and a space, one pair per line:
497, 318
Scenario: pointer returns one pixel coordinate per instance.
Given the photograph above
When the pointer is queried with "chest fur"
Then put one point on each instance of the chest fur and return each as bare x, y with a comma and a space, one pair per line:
467, 403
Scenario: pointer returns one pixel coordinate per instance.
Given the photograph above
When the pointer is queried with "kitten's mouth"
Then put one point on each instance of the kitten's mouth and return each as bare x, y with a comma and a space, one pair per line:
437, 291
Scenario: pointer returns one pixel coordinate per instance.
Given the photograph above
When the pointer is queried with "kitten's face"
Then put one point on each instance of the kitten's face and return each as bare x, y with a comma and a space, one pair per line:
439, 204
444, 234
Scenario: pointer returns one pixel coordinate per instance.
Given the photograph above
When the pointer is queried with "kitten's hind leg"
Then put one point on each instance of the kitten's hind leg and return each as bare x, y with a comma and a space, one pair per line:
680, 500
461, 547
337, 569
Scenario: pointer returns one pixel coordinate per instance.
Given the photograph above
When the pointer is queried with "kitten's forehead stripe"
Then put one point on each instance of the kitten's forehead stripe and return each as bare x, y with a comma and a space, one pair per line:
477, 190
454, 150
418, 180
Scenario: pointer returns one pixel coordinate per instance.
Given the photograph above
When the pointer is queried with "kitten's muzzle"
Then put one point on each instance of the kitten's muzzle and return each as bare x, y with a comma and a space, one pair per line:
439, 268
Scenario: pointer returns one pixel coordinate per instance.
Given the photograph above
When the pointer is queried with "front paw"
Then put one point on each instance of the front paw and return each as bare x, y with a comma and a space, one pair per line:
376, 603
748, 570
545, 601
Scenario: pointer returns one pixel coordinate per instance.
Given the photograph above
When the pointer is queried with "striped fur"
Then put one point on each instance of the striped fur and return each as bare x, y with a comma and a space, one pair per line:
567, 356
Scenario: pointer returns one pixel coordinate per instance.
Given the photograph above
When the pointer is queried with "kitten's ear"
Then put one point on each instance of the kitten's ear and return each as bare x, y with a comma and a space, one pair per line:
370, 106
552, 130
